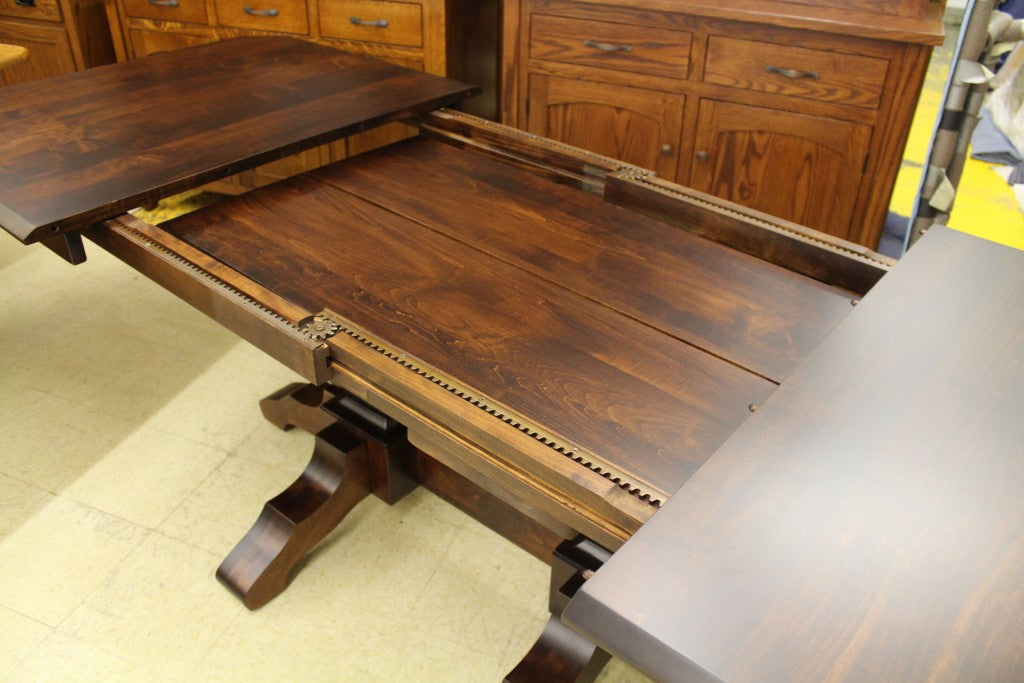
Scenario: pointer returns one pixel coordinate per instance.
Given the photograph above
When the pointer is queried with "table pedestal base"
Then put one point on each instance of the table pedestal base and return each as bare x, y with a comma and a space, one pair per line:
562, 654
357, 452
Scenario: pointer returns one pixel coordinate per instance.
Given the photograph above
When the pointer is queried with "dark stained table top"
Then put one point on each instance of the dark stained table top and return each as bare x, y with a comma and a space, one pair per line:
639, 342
90, 145
867, 523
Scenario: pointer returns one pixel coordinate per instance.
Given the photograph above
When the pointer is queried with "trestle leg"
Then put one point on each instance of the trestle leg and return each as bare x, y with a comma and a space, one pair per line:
562, 654
358, 451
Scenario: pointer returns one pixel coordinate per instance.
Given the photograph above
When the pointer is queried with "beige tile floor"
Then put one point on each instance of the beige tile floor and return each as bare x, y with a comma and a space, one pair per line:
133, 456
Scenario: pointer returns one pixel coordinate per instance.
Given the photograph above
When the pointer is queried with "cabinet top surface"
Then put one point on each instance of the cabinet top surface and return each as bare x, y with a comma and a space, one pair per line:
93, 144
865, 523
887, 21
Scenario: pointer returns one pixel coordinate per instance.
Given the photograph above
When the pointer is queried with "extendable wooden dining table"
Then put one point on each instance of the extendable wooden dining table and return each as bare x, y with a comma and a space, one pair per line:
554, 341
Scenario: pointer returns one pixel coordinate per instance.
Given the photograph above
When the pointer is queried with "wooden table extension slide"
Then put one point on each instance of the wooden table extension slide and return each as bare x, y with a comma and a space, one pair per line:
867, 523
552, 340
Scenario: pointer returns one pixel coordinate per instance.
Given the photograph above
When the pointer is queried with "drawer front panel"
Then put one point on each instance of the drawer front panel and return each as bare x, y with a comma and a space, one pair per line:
374, 21
796, 71
641, 49
189, 11
47, 10
281, 16
146, 42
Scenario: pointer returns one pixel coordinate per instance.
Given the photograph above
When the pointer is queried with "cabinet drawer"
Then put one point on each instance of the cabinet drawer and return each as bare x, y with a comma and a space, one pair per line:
641, 49
47, 10
147, 42
189, 11
374, 21
796, 71
282, 16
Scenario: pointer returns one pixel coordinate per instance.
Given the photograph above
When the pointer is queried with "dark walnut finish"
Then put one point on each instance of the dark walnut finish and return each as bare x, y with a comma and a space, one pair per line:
454, 38
866, 523
88, 146
484, 312
521, 290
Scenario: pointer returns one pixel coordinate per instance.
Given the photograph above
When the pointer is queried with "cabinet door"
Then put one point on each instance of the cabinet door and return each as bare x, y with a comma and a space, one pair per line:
803, 168
638, 126
49, 52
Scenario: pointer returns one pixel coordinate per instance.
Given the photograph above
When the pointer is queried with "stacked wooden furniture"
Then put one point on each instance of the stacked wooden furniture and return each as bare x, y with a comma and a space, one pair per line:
60, 35
798, 108
410, 33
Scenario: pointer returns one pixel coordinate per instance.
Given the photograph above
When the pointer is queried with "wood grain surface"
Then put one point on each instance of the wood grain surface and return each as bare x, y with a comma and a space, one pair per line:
751, 313
91, 145
513, 318
866, 523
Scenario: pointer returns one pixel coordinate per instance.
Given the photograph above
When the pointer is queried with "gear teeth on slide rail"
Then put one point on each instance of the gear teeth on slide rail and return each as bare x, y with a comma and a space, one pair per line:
326, 324
300, 329
495, 409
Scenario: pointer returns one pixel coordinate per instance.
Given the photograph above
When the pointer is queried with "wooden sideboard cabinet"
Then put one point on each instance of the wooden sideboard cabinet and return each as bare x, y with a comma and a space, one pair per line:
800, 109
410, 33
61, 36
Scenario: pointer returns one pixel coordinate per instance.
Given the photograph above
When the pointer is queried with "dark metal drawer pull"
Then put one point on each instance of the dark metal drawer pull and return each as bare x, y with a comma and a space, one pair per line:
260, 12
607, 47
165, 3
25, 3
792, 73
379, 23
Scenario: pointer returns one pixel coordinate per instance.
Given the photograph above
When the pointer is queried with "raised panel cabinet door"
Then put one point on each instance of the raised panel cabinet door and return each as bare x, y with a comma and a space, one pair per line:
803, 168
638, 126
49, 52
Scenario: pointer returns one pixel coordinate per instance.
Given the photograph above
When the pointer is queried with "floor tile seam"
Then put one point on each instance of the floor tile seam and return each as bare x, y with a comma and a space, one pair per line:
511, 643
151, 424
67, 634
196, 669
155, 527
11, 676
444, 556
68, 499
293, 470
42, 489
34, 648
158, 527
150, 533
49, 392
414, 606
106, 577
443, 636
214, 642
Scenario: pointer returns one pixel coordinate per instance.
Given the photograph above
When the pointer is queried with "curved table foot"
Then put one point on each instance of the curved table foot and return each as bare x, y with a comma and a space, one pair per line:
335, 480
560, 654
